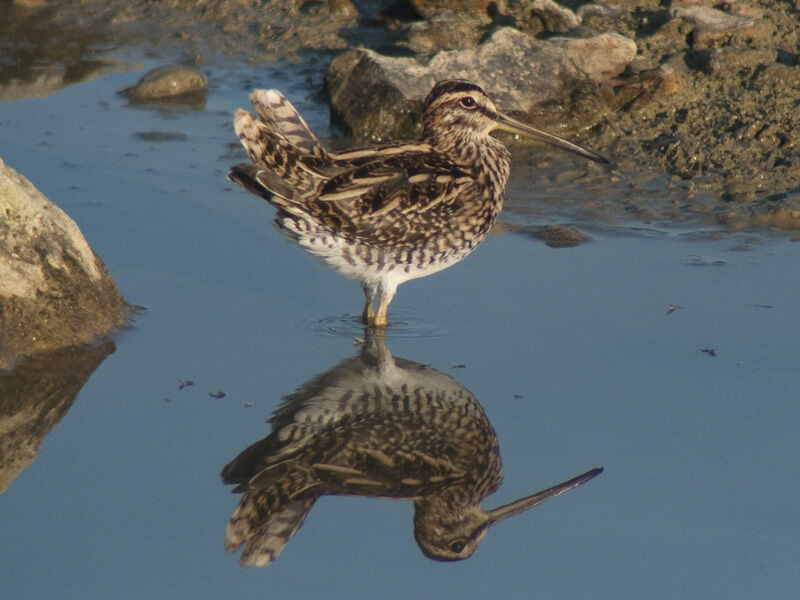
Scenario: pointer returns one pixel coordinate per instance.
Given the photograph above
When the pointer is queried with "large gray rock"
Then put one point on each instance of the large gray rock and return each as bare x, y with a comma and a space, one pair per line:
559, 83
54, 291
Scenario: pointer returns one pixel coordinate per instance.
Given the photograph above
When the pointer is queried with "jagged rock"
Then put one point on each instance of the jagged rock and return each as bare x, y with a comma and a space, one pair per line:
54, 291
169, 81
557, 84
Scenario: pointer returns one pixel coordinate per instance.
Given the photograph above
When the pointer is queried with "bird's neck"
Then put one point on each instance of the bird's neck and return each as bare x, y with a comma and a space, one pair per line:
488, 159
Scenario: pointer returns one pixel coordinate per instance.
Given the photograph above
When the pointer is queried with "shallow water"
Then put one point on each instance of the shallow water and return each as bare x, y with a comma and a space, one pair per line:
573, 353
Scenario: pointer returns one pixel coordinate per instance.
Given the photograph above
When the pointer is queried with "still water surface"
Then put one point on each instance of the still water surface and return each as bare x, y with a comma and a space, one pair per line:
570, 352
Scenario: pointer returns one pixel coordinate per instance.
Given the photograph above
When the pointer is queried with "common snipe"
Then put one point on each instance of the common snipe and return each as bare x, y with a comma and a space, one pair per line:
383, 215
376, 426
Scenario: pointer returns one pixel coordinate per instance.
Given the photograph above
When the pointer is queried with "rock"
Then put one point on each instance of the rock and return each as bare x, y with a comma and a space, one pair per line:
603, 18
600, 57
713, 26
444, 32
777, 76
780, 218
670, 77
428, 9
54, 291
561, 236
161, 136
552, 83
554, 18
169, 81
730, 60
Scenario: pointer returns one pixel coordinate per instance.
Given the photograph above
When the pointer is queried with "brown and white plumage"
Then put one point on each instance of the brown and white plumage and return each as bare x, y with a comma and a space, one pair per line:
383, 215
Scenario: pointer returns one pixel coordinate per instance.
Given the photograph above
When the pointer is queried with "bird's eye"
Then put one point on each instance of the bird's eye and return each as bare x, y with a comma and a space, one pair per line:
458, 545
468, 102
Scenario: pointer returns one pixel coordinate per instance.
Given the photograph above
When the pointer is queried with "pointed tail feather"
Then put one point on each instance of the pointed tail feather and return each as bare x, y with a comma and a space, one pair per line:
265, 536
271, 150
276, 110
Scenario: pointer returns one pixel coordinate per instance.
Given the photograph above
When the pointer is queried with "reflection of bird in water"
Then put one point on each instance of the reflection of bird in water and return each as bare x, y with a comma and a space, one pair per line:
375, 426
386, 214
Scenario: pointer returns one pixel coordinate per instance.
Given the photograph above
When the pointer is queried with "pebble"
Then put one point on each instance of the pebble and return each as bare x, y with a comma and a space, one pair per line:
169, 81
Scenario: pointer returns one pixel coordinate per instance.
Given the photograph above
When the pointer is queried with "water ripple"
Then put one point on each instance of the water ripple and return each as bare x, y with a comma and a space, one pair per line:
402, 324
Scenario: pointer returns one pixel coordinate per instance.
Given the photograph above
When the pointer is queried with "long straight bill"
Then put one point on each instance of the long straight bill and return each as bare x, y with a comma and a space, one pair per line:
506, 123
514, 508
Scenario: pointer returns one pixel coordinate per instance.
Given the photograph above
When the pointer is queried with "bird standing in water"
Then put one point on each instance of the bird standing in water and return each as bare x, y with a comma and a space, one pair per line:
385, 214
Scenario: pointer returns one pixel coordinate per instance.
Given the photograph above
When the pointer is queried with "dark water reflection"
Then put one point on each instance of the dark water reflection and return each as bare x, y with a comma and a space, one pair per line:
41, 52
35, 396
376, 426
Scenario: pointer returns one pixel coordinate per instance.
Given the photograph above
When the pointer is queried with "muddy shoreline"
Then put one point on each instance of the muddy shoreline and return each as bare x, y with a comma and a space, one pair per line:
711, 101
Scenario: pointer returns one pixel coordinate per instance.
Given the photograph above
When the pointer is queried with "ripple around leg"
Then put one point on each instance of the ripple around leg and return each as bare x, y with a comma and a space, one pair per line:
402, 324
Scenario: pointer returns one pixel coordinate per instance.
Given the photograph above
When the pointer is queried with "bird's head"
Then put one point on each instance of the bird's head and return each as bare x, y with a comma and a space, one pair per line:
458, 111
448, 529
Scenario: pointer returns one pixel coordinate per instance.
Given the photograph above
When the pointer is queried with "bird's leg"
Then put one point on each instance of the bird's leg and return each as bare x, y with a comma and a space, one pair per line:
384, 298
368, 316
380, 316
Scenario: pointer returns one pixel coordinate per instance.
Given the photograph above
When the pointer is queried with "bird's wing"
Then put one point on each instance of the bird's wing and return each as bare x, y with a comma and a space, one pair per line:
395, 473
394, 199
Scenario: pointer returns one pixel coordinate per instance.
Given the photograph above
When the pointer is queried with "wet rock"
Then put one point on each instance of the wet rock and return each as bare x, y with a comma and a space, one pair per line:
739, 192
786, 218
55, 291
552, 83
169, 81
